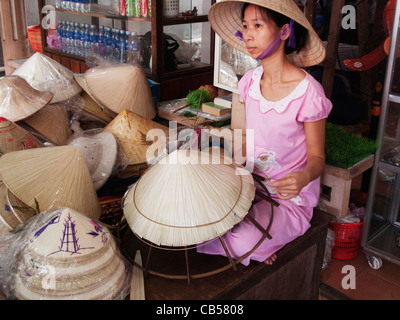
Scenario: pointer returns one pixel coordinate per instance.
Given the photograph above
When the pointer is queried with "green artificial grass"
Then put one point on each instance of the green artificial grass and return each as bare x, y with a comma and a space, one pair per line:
344, 149
197, 97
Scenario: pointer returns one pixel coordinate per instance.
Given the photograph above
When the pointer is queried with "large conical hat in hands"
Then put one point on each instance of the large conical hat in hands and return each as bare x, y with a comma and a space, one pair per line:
188, 198
130, 130
46, 74
19, 100
80, 253
14, 138
121, 87
51, 177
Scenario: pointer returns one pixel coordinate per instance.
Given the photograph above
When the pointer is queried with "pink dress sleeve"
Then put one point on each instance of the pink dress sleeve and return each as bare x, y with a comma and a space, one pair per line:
244, 84
315, 105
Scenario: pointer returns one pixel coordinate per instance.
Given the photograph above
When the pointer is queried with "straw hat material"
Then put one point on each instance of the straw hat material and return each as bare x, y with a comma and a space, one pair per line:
225, 19
130, 130
51, 177
52, 122
14, 138
100, 152
46, 74
19, 100
80, 252
183, 200
121, 87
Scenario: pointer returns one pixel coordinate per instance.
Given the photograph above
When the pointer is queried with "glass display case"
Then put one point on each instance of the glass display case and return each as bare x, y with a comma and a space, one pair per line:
381, 234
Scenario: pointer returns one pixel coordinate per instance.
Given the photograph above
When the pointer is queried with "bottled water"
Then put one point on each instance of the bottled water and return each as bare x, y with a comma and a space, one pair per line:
60, 27
108, 43
93, 39
77, 39
64, 37
116, 50
101, 41
58, 3
82, 39
86, 40
85, 6
122, 46
134, 49
64, 4
68, 37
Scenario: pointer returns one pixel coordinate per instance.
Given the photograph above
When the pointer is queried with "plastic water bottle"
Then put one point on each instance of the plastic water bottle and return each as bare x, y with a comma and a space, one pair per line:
101, 41
116, 50
122, 46
64, 4
60, 27
58, 3
67, 37
85, 6
82, 39
86, 40
77, 39
108, 44
94, 40
64, 37
134, 49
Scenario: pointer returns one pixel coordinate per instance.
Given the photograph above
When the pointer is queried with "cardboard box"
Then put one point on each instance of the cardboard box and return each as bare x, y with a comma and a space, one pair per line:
213, 109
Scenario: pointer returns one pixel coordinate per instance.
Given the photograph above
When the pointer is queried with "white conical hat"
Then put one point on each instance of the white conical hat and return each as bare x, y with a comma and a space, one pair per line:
14, 138
121, 87
186, 199
19, 100
46, 74
80, 253
130, 130
51, 177
52, 122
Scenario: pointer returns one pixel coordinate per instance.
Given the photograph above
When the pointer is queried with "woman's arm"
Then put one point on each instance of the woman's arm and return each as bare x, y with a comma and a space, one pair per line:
291, 184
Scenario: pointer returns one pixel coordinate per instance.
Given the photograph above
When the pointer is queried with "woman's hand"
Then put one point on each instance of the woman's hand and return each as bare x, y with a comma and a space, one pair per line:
290, 185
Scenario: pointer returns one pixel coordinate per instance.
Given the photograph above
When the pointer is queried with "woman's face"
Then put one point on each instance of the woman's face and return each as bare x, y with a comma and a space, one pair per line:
258, 30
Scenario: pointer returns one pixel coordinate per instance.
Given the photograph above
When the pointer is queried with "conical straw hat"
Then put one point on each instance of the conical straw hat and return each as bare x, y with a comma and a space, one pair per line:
185, 200
13, 137
12, 211
225, 18
52, 122
46, 74
19, 100
130, 130
121, 87
51, 177
80, 252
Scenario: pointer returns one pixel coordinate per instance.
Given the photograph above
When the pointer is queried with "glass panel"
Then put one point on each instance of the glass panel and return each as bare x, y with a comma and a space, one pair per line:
391, 142
201, 6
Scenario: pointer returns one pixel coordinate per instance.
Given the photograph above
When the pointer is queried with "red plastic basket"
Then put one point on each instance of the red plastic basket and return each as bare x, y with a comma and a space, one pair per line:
35, 39
347, 239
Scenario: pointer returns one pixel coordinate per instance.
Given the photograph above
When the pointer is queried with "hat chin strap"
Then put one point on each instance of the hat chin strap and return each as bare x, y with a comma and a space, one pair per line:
276, 42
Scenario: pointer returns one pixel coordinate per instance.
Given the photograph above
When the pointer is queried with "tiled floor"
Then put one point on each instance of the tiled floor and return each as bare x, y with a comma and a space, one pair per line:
370, 284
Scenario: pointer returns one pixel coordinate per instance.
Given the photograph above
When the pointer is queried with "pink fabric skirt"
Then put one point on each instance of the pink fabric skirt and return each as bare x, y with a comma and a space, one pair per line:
289, 222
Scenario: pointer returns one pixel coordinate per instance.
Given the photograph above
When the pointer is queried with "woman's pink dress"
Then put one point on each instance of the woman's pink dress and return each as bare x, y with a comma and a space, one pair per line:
279, 148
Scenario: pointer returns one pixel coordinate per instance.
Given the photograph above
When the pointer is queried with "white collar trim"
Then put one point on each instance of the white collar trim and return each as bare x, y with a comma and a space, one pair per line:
280, 105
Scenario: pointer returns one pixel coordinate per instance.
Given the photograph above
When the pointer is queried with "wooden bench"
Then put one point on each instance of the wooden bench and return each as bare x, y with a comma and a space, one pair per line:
294, 275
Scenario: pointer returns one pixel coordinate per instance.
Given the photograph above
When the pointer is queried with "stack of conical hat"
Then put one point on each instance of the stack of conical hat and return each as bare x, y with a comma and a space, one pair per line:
130, 130
121, 87
51, 177
13, 137
12, 210
69, 256
187, 198
52, 122
46, 74
19, 100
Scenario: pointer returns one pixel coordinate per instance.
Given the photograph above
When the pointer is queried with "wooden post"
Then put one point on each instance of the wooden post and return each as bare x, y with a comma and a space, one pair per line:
14, 37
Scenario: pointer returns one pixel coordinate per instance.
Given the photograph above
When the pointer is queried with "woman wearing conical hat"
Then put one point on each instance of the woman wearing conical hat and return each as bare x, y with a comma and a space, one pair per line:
287, 109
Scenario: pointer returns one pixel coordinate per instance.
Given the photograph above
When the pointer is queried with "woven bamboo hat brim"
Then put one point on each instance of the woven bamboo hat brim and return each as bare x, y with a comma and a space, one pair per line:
121, 87
51, 177
100, 152
83, 256
12, 211
46, 74
19, 100
181, 201
130, 130
225, 19
52, 122
14, 138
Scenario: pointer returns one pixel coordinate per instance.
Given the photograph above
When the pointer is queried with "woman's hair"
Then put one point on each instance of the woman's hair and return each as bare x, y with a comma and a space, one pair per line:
280, 20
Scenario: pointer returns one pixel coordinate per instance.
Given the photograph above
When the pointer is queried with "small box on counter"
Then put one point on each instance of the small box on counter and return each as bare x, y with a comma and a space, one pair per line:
214, 109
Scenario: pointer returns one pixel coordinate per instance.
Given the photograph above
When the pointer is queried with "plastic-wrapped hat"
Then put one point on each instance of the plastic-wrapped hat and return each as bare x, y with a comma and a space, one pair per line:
12, 210
52, 122
100, 149
19, 100
67, 256
121, 87
13, 137
187, 198
130, 130
46, 74
225, 18
51, 177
